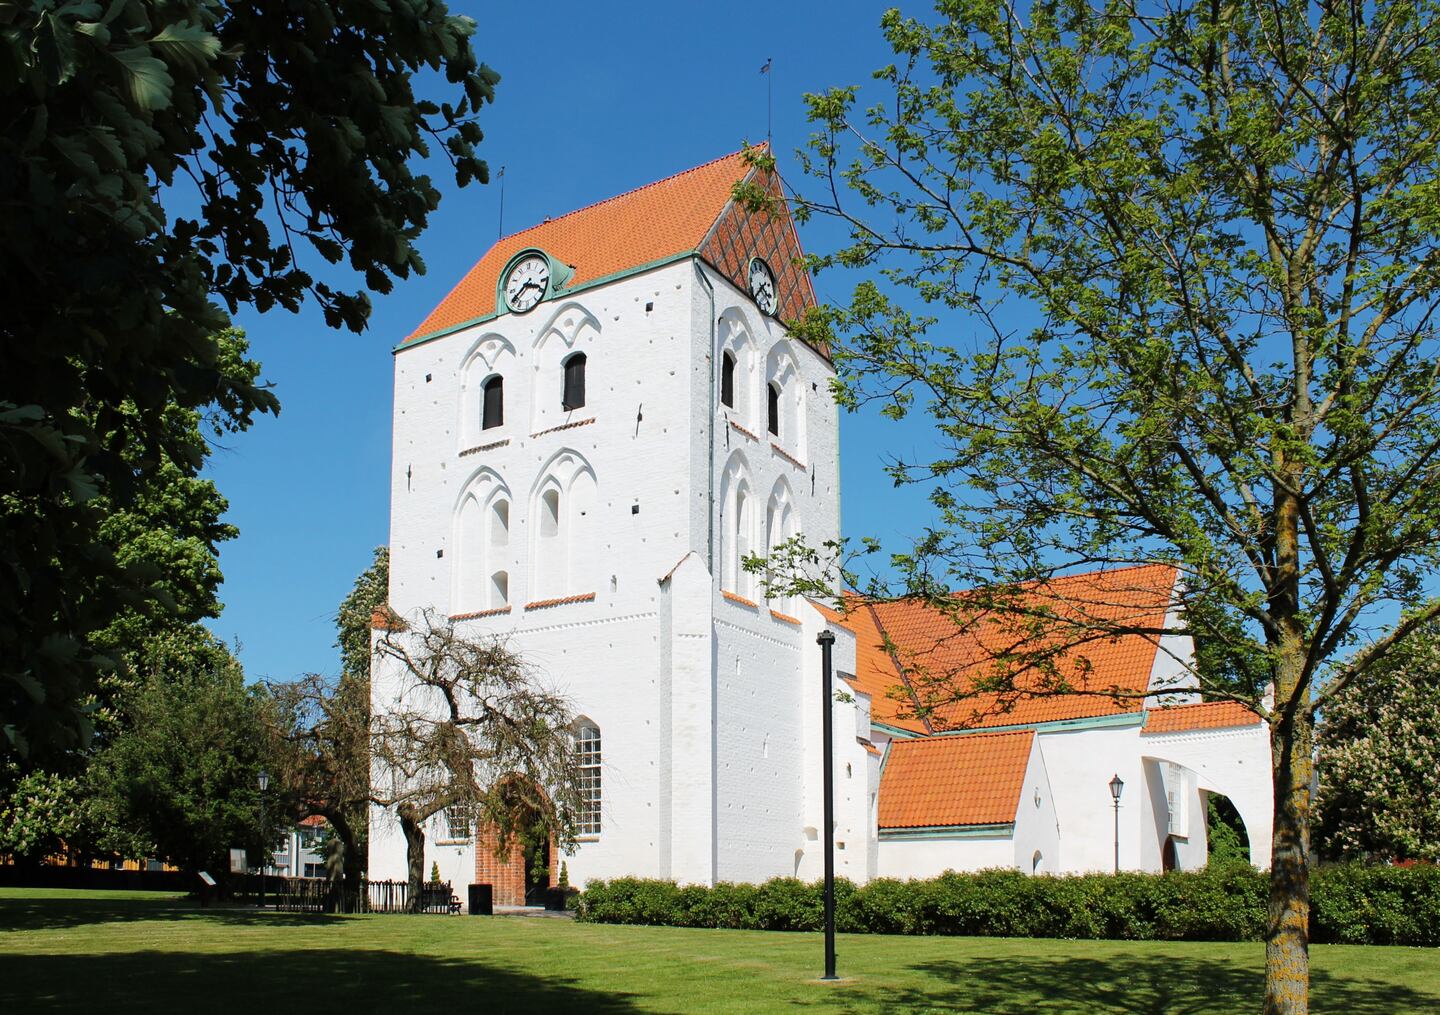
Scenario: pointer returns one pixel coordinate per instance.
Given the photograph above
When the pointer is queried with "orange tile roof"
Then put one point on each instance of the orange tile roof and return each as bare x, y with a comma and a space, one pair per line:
939, 655
875, 673
677, 215
1202, 715
937, 782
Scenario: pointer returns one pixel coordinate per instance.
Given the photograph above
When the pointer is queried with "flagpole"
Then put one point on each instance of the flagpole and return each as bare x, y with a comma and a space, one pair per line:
769, 99
501, 176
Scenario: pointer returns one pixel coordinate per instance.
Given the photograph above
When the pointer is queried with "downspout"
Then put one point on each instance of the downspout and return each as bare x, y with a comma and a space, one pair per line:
710, 427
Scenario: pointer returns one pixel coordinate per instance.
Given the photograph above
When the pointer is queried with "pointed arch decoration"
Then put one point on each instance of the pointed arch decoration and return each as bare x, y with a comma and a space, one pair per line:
480, 572
564, 509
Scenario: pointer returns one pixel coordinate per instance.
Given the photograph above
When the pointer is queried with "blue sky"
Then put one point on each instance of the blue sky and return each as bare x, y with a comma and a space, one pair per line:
595, 99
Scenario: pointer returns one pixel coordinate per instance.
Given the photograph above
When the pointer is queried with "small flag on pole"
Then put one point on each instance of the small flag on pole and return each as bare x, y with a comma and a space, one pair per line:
766, 68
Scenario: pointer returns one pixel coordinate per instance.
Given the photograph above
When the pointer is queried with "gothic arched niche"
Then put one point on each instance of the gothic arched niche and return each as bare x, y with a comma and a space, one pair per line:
481, 555
564, 538
782, 375
780, 525
737, 525
490, 356
570, 329
734, 340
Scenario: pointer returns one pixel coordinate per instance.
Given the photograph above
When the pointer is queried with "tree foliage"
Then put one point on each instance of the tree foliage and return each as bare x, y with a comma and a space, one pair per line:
463, 723
181, 782
1378, 751
161, 165
1164, 276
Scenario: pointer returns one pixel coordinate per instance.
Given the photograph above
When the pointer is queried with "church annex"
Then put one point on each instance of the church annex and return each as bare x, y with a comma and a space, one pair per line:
591, 431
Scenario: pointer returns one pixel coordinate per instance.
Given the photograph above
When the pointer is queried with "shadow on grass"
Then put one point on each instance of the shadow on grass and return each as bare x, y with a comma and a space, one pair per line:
313, 981
1142, 985
65, 913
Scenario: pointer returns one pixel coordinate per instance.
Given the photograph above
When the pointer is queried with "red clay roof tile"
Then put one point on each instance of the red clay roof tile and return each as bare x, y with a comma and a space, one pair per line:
936, 782
1202, 715
671, 217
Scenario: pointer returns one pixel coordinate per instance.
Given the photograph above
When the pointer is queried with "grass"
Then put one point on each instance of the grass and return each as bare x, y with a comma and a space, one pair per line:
121, 952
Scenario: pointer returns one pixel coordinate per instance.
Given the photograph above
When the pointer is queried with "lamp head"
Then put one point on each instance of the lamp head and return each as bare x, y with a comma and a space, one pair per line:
264, 780
1116, 785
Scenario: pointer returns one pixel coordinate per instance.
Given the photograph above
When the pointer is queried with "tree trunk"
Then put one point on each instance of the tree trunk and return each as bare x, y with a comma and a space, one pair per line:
1287, 932
349, 861
414, 856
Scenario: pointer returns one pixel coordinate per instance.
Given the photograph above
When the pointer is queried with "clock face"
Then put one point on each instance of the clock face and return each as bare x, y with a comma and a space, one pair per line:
527, 284
762, 286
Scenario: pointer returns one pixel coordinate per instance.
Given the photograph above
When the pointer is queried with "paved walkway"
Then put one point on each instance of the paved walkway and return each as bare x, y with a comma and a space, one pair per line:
540, 911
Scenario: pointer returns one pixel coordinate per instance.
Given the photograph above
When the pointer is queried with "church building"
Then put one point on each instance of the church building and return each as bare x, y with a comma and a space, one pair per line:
601, 420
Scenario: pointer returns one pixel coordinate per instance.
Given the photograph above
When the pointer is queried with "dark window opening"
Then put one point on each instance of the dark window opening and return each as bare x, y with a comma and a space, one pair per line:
493, 413
772, 409
727, 381
574, 395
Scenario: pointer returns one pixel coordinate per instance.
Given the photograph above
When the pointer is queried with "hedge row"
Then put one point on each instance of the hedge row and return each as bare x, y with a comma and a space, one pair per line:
1354, 904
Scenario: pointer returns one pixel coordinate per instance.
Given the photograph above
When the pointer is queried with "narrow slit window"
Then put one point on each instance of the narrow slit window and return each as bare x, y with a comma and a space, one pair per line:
574, 394
772, 408
727, 381
493, 413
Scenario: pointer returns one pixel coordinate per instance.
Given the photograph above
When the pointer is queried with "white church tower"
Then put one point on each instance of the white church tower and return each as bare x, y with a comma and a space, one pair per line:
591, 431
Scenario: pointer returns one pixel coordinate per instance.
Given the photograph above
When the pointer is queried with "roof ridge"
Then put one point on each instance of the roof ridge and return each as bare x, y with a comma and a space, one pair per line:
630, 192
978, 733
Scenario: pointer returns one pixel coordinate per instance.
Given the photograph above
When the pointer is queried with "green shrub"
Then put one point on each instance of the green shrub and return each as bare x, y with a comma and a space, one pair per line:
1354, 904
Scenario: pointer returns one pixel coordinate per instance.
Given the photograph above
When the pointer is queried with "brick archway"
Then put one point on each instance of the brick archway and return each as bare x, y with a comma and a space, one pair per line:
507, 872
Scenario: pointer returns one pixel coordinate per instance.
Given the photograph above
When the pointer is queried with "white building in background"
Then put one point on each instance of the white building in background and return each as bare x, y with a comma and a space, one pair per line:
591, 431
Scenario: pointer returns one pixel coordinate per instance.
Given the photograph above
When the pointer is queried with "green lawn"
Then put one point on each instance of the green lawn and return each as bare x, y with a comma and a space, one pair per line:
116, 952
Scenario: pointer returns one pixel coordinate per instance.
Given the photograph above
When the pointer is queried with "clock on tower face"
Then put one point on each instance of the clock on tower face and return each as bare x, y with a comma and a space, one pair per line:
527, 283
762, 286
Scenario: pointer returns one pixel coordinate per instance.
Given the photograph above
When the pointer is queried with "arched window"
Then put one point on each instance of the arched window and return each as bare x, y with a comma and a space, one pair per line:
587, 760
499, 589
493, 411
772, 408
574, 393
727, 380
740, 542
1037, 863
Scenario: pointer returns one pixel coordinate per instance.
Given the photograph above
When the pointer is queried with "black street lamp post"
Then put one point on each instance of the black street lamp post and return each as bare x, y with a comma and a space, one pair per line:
826, 640
264, 832
1116, 785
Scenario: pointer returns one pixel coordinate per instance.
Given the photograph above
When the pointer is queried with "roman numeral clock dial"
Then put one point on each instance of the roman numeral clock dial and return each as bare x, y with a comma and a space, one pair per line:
527, 283
762, 286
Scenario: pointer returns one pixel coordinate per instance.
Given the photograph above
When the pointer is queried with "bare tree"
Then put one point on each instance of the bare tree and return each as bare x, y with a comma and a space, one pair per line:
320, 758
463, 722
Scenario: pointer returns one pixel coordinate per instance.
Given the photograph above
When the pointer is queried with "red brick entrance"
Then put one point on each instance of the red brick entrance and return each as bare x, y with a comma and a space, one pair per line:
507, 871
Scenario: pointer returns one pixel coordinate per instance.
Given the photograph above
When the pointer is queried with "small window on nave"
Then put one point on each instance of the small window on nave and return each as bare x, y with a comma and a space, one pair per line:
574, 393
772, 408
493, 411
727, 380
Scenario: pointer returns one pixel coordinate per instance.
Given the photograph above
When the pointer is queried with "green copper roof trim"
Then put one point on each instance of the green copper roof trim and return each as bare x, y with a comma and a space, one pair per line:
895, 731
602, 280
1117, 721
950, 832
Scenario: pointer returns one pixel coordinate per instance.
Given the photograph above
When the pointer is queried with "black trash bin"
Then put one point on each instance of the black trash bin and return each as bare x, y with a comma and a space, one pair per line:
555, 899
482, 900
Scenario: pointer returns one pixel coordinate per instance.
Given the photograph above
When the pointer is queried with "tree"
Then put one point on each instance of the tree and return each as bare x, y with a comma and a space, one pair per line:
162, 164
319, 731
169, 533
181, 782
1184, 261
462, 723
1378, 748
